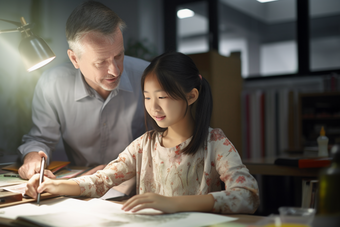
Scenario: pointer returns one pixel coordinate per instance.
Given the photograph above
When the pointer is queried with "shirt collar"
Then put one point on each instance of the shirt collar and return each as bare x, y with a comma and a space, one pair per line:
80, 87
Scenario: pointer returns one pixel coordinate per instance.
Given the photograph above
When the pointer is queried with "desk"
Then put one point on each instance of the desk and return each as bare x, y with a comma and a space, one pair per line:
266, 166
279, 185
243, 220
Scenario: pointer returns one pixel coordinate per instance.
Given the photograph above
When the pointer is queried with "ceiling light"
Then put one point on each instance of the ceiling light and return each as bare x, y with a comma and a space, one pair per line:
264, 1
185, 13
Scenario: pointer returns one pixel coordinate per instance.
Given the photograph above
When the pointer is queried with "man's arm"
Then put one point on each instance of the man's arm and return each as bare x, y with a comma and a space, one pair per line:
45, 131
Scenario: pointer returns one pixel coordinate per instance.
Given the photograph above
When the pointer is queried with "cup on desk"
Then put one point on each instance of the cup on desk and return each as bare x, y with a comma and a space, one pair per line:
296, 216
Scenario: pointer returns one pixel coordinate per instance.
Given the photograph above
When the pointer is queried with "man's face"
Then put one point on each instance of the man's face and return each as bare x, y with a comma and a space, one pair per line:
101, 61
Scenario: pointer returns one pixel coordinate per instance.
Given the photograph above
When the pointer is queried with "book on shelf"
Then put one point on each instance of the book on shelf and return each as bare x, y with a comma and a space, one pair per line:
253, 124
270, 123
256, 124
283, 120
309, 193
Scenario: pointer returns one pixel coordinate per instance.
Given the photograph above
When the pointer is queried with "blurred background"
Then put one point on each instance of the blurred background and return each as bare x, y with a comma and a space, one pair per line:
295, 42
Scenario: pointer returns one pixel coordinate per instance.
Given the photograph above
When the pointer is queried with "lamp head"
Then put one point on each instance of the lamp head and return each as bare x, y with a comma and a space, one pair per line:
34, 50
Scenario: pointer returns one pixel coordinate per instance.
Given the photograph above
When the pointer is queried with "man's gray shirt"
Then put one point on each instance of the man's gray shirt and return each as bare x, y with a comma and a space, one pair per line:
94, 131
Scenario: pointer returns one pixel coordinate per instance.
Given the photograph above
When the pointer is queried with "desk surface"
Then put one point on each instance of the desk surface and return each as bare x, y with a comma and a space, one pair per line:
266, 166
242, 218
242, 221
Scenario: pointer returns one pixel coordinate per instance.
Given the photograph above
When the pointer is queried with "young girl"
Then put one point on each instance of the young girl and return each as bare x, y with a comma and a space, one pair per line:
180, 164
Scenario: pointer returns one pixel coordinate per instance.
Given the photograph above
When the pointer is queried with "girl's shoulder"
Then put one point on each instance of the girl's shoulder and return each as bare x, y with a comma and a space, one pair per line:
216, 134
218, 140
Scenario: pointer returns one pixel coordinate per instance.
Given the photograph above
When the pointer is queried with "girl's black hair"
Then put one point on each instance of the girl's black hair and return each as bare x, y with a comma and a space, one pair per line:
178, 75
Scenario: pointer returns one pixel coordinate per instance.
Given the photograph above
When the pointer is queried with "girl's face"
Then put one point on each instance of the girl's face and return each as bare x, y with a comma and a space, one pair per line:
166, 111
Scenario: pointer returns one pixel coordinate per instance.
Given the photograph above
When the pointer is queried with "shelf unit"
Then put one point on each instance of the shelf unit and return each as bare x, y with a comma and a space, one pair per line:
317, 110
224, 76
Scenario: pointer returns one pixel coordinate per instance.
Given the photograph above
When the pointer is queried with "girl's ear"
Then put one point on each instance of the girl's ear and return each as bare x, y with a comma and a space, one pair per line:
192, 96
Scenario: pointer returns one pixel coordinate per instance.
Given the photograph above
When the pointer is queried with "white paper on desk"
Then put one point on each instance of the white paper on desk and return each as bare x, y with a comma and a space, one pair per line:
104, 212
5, 181
17, 188
46, 206
112, 193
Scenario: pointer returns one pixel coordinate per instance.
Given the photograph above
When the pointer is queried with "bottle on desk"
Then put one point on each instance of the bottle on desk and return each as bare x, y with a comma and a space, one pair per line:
322, 143
329, 186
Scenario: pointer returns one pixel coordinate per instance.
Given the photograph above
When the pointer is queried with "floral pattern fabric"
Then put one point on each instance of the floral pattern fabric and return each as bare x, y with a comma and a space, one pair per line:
168, 172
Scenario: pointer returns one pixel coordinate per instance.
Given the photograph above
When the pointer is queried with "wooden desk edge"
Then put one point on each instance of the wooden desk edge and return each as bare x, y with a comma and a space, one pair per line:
277, 170
24, 200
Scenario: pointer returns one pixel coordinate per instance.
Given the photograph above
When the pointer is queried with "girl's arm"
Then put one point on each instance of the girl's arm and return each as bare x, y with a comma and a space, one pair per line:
116, 172
241, 193
95, 185
198, 203
59, 187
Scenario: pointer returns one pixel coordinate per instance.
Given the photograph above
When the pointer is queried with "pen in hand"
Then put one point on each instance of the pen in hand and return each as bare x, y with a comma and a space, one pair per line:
41, 178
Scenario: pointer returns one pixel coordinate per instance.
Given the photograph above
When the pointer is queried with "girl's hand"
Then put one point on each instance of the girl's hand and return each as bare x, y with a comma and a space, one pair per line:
33, 188
151, 200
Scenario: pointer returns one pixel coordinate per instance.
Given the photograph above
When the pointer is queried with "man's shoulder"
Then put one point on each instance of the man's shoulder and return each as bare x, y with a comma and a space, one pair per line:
134, 60
63, 73
132, 64
62, 70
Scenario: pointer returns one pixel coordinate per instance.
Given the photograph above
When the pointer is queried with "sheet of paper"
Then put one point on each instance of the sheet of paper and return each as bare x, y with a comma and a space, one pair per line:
102, 211
66, 174
5, 181
70, 219
112, 193
18, 188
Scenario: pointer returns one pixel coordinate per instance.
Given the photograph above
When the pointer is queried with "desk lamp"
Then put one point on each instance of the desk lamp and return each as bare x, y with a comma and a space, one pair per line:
33, 49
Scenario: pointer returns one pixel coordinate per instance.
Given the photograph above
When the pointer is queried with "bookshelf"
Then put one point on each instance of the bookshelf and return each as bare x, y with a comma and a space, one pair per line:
317, 110
224, 76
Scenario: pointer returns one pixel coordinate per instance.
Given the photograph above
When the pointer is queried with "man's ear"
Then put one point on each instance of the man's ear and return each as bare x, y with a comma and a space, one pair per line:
73, 58
192, 96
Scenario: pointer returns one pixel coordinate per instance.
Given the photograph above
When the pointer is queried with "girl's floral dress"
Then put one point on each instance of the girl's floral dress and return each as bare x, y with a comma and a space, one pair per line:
168, 172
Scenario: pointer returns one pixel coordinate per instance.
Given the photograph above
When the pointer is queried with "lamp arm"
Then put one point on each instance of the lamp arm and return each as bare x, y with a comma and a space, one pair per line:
21, 27
18, 24
9, 31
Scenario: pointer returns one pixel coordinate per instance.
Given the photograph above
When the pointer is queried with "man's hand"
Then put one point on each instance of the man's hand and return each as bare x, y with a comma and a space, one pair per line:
92, 171
31, 165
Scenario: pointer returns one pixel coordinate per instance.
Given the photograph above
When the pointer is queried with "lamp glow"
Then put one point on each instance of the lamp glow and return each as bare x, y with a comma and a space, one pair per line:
185, 13
40, 64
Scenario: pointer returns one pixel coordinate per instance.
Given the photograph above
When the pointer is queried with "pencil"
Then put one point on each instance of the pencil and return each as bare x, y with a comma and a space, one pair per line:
41, 177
